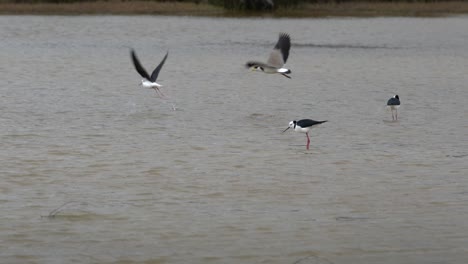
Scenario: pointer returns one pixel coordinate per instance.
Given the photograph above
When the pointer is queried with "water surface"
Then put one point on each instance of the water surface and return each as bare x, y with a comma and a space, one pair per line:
215, 181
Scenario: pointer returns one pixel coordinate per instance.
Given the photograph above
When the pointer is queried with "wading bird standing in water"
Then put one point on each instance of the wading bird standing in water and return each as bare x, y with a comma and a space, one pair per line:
277, 59
149, 81
303, 126
394, 103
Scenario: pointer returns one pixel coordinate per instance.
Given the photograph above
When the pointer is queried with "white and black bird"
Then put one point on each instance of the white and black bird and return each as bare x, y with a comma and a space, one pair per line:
277, 59
394, 103
149, 81
304, 126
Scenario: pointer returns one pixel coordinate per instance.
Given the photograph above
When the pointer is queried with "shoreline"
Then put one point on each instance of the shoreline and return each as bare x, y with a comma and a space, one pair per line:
318, 10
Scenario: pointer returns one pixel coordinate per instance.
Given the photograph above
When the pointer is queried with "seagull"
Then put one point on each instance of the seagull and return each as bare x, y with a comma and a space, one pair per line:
277, 58
303, 126
149, 81
393, 103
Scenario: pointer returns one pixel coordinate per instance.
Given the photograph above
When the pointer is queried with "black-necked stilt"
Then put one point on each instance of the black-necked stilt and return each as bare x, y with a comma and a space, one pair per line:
303, 126
394, 103
149, 81
277, 59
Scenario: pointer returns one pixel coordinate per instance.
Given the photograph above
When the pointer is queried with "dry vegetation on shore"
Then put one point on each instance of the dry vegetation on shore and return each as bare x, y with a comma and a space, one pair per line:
353, 9
114, 7
370, 9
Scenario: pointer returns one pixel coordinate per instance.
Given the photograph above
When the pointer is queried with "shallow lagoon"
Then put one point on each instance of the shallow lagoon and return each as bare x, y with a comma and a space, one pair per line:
215, 181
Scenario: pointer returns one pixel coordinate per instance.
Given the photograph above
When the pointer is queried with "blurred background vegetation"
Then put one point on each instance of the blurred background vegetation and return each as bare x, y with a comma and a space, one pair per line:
238, 8
243, 4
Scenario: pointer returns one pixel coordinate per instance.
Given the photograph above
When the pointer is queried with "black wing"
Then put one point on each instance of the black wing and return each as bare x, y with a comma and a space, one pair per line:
284, 44
393, 101
138, 66
309, 122
155, 73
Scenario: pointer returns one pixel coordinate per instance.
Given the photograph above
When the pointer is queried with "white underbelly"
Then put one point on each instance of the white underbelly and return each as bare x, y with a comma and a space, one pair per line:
302, 130
151, 85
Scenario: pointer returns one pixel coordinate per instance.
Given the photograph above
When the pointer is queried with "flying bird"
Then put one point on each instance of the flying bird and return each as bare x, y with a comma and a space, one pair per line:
394, 103
304, 126
149, 81
277, 59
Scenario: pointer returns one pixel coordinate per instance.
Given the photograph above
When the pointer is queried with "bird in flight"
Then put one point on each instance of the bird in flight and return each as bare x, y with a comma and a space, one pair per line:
149, 81
277, 59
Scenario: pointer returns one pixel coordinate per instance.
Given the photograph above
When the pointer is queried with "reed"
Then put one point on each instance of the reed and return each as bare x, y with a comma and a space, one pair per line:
189, 8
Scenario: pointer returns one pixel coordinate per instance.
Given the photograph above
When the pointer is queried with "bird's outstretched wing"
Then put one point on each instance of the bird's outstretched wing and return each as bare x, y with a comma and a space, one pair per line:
155, 73
280, 53
138, 66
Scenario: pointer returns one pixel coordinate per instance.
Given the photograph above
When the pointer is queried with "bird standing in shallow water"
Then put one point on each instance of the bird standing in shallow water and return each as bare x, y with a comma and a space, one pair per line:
149, 81
277, 59
303, 126
394, 104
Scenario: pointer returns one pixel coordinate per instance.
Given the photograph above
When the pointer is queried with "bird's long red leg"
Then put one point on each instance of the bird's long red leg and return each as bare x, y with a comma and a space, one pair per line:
308, 140
156, 90
162, 95
159, 93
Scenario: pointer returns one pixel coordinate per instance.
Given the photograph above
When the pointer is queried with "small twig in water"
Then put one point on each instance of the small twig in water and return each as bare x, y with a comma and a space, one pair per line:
54, 212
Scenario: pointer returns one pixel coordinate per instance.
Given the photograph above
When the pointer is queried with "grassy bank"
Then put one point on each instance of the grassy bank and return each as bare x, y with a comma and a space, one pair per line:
354, 9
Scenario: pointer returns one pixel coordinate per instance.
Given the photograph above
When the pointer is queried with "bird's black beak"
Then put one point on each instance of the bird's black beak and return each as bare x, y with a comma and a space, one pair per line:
286, 129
